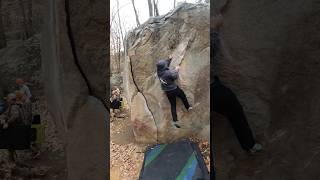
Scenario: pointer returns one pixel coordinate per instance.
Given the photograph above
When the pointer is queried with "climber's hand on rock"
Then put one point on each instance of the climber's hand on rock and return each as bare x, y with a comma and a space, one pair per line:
183, 82
170, 58
177, 68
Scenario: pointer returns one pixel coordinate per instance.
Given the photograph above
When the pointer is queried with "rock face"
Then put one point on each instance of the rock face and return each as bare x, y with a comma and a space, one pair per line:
74, 65
271, 61
20, 52
21, 60
184, 34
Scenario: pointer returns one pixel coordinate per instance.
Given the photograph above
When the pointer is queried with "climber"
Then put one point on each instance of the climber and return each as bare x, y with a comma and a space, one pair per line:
225, 101
24, 88
227, 104
167, 79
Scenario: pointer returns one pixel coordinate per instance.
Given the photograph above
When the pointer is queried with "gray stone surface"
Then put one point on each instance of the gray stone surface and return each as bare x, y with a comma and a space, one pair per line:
184, 34
80, 116
22, 60
270, 60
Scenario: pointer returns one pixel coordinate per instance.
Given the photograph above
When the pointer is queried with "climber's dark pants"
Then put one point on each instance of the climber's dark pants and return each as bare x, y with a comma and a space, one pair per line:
172, 98
226, 103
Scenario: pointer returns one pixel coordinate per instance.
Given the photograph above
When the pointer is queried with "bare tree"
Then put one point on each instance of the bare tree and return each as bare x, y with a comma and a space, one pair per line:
119, 21
115, 47
116, 40
3, 42
29, 16
135, 12
155, 7
117, 33
26, 19
150, 8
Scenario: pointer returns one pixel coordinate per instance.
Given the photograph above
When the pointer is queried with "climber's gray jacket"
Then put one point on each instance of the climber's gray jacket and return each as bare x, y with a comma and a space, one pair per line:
166, 76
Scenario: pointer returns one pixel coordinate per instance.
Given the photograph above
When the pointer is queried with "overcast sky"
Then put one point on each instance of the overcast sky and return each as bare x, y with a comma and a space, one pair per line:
127, 14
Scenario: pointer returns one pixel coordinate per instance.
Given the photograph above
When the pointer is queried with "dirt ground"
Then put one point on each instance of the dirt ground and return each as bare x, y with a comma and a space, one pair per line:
50, 165
126, 156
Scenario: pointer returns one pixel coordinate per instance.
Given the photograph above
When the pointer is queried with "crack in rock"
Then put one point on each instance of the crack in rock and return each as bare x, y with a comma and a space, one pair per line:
135, 84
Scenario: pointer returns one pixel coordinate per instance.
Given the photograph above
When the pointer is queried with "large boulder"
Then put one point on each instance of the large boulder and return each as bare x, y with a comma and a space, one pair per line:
184, 34
270, 59
21, 61
74, 58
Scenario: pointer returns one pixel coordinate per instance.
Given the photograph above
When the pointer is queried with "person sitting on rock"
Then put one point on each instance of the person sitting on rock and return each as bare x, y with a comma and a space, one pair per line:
167, 79
115, 101
226, 103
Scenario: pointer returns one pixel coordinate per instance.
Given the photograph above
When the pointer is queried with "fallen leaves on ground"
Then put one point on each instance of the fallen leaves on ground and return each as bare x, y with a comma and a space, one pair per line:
204, 147
25, 166
126, 158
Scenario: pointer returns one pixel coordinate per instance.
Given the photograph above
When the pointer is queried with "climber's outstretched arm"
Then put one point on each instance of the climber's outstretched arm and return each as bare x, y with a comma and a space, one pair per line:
169, 61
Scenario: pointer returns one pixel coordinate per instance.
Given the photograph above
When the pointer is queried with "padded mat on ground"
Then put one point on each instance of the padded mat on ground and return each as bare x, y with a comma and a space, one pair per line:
176, 161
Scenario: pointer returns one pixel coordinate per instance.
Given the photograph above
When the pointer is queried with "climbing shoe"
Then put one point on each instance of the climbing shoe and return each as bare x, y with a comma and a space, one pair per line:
256, 148
176, 124
194, 106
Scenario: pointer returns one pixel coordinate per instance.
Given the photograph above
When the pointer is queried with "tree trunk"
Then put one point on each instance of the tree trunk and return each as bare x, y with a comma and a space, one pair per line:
155, 7
119, 22
29, 18
150, 8
27, 32
118, 48
23, 14
3, 42
174, 3
135, 12
119, 54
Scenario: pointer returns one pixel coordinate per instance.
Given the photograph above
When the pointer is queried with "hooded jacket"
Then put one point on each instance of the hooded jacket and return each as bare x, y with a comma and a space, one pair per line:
166, 76
216, 81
